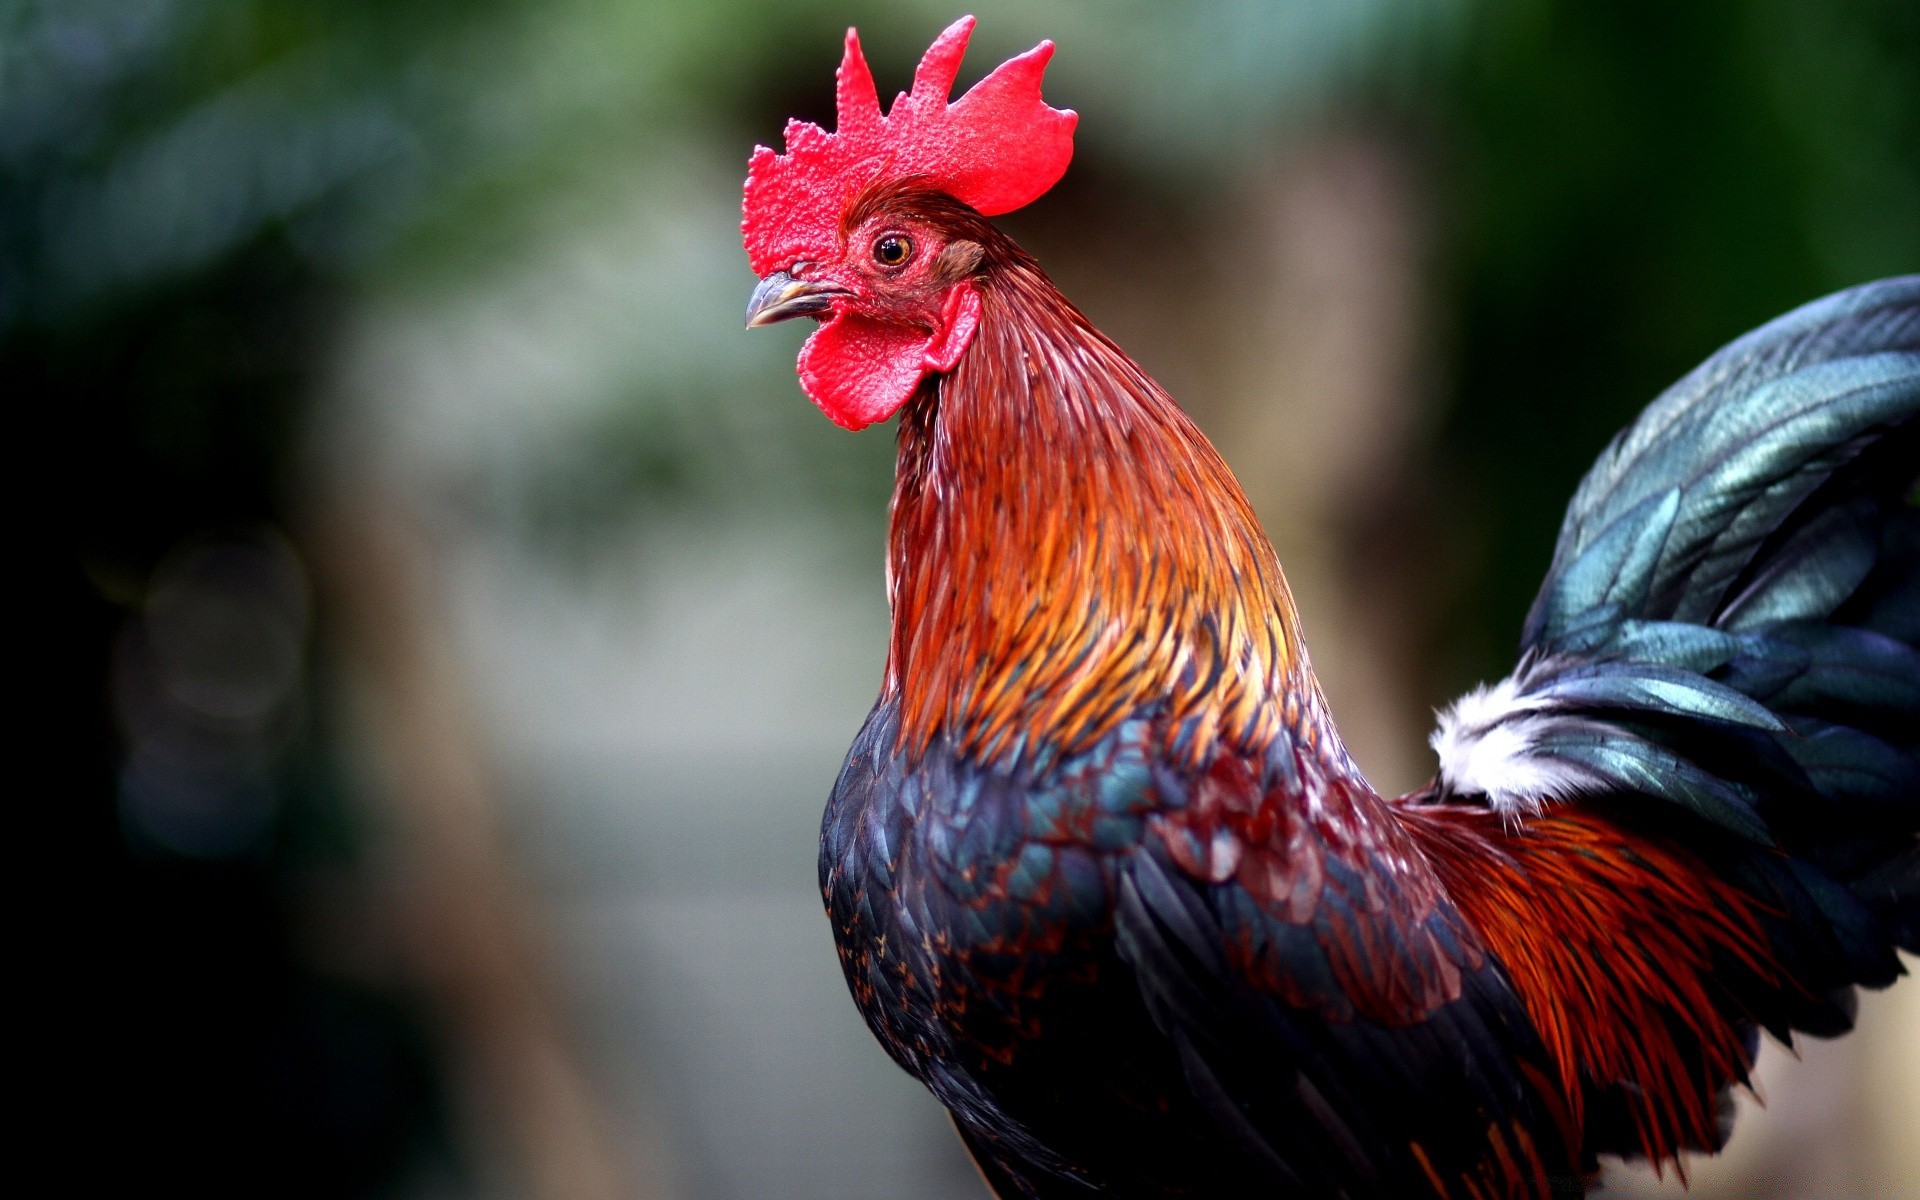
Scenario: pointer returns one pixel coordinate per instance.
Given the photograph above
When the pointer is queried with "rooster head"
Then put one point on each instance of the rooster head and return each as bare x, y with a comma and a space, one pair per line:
847, 227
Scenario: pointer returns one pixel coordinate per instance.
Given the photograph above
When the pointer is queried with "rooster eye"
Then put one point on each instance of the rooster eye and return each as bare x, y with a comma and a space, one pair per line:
892, 250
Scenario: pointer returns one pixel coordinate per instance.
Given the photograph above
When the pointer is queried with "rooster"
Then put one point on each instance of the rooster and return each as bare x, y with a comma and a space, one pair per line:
1100, 871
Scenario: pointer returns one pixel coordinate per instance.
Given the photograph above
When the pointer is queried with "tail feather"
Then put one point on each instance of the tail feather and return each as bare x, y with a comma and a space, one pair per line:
1727, 644
1725, 456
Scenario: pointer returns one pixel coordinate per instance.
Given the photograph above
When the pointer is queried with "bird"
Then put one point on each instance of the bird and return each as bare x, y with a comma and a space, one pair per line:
1100, 871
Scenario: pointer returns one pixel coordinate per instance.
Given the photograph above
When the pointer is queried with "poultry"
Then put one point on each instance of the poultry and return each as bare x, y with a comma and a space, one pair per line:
1099, 869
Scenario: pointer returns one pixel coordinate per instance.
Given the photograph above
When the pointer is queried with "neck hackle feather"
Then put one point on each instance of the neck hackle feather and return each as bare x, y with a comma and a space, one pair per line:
1067, 549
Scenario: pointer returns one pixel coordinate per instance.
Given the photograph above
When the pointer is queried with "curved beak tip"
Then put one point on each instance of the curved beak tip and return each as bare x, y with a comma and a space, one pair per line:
781, 297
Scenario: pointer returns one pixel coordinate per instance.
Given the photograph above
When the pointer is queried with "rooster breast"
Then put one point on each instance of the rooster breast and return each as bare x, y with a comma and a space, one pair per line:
973, 914
1087, 961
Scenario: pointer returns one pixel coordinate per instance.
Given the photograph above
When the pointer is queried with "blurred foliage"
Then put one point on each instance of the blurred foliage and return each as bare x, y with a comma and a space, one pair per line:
180, 186
1629, 186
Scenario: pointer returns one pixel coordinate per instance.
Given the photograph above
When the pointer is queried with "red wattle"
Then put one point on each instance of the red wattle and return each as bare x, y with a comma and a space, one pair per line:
860, 371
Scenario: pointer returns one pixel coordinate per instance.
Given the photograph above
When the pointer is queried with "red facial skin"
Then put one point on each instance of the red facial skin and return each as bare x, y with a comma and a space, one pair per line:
892, 325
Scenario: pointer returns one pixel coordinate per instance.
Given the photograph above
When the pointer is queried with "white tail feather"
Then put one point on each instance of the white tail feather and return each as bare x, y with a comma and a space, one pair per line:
1488, 743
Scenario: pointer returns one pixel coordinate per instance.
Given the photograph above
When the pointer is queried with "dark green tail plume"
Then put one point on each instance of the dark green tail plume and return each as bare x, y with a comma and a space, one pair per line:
1731, 626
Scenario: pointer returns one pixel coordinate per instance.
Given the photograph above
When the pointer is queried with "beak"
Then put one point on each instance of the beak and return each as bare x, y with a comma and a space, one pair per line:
781, 297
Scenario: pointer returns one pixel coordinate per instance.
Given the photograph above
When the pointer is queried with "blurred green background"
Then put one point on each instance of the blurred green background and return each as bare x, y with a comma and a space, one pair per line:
458, 619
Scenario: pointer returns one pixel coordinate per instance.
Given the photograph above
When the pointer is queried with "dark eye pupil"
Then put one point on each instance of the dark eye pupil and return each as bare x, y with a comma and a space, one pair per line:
892, 250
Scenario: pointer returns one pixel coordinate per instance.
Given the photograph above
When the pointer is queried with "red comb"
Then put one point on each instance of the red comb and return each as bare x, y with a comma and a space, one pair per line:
996, 148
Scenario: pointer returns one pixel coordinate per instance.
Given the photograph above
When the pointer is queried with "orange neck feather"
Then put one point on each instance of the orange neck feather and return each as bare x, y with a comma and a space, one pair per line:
1066, 549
